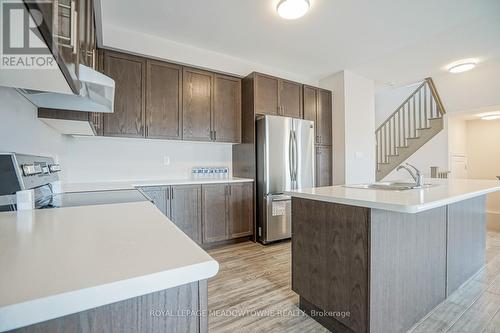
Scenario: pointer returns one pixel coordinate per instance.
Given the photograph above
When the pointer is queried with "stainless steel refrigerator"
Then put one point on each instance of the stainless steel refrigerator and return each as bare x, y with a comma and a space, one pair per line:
285, 161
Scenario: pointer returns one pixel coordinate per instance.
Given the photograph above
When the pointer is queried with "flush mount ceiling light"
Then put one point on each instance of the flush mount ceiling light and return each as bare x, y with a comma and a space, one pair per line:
491, 116
462, 66
292, 9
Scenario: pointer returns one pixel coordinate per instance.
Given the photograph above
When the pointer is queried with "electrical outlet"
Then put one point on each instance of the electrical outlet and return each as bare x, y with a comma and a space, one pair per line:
166, 160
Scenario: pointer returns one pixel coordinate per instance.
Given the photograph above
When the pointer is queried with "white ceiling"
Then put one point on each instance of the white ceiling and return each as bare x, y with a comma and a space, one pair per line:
396, 41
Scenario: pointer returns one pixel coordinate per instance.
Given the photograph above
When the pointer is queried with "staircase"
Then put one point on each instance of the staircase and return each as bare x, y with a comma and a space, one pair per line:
415, 122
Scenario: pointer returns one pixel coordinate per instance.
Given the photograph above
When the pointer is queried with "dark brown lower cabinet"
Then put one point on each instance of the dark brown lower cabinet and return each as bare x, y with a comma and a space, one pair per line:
185, 209
240, 210
214, 203
324, 166
207, 213
227, 211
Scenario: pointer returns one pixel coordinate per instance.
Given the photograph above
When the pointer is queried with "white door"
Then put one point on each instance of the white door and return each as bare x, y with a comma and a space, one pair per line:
459, 167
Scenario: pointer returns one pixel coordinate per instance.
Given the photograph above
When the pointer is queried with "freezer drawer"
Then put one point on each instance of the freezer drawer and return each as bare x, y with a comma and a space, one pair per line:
277, 218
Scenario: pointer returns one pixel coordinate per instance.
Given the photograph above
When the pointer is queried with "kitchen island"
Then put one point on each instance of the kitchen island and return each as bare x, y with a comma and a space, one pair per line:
367, 260
104, 268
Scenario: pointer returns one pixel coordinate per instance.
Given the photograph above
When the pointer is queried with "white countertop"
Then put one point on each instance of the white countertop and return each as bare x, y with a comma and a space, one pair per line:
55, 262
131, 184
410, 201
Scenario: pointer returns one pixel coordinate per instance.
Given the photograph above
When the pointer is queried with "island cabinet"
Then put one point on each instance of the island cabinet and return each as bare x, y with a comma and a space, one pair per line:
227, 211
276, 96
366, 269
146, 314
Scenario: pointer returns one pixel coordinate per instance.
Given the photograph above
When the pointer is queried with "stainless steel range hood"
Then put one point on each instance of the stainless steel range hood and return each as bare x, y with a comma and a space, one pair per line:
64, 83
97, 93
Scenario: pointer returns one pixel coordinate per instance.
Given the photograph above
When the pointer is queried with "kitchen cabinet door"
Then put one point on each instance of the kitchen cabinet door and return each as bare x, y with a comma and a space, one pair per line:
240, 217
129, 74
163, 100
290, 99
324, 118
266, 94
324, 166
310, 103
197, 104
157, 194
185, 209
226, 120
214, 212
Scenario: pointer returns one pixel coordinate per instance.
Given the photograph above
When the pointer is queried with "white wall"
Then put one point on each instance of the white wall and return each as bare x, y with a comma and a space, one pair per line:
136, 42
433, 153
97, 158
353, 127
457, 136
483, 155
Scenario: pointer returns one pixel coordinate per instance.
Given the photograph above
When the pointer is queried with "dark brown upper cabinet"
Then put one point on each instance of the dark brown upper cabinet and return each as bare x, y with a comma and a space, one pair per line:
198, 100
318, 107
163, 100
129, 73
211, 106
310, 103
226, 120
278, 97
266, 94
290, 99
324, 118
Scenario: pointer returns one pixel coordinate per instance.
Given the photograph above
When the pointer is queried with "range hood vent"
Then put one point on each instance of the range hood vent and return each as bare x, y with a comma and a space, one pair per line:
96, 94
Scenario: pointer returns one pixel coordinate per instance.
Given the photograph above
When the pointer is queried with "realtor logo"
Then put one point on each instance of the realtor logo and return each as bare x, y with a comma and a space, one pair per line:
23, 46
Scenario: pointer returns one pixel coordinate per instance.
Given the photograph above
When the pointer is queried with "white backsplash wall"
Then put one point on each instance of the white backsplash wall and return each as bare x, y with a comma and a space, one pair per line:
22, 132
89, 159
108, 159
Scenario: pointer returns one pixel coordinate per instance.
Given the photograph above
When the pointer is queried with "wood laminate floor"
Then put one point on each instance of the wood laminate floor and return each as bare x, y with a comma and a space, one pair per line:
252, 293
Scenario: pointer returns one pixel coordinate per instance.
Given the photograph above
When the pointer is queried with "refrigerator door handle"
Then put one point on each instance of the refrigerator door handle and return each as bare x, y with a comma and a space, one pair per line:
295, 158
290, 157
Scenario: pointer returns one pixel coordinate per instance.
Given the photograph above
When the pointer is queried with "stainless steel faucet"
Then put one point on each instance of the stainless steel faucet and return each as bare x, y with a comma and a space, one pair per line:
417, 176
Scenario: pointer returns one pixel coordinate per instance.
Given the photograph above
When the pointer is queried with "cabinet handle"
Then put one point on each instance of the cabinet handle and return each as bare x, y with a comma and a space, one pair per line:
172, 193
168, 193
93, 59
74, 26
215, 135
